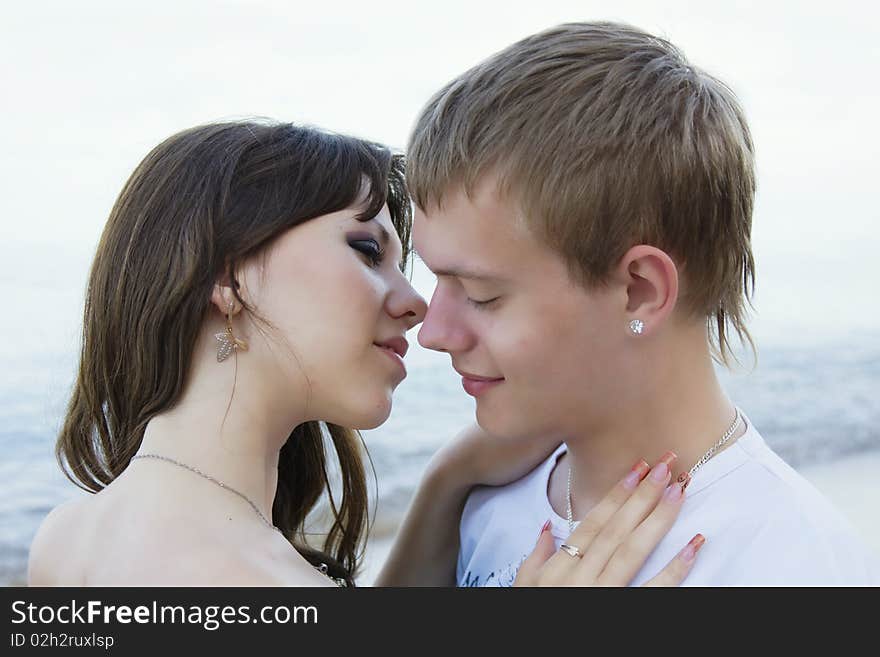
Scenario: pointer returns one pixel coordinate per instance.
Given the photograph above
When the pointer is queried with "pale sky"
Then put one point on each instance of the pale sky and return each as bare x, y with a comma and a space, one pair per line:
90, 87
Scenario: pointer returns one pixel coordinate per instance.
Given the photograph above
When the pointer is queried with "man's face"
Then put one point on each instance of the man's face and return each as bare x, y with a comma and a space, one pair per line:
535, 348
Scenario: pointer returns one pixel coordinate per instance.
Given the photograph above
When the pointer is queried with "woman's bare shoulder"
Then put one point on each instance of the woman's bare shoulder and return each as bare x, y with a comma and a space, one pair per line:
225, 565
53, 541
62, 550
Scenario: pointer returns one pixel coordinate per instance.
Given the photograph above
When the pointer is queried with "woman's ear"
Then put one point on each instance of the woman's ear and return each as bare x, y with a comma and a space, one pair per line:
222, 295
651, 280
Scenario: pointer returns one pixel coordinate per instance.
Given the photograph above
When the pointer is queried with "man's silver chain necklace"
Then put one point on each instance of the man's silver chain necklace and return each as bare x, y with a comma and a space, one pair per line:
708, 455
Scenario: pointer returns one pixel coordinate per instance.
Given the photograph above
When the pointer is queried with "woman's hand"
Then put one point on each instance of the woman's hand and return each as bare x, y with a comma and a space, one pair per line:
615, 538
475, 457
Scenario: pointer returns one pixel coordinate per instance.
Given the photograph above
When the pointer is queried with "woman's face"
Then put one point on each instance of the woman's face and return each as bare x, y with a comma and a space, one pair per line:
333, 288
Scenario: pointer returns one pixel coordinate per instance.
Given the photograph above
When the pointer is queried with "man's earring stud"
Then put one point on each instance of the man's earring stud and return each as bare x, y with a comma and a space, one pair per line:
637, 326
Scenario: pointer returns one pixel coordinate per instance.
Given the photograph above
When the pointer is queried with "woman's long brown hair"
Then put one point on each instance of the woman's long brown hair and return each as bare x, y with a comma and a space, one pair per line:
202, 202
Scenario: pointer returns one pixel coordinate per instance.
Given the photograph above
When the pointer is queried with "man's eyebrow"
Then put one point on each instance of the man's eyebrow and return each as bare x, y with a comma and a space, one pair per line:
469, 274
461, 272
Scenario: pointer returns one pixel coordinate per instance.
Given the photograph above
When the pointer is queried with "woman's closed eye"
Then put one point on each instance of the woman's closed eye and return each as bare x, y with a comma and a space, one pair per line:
369, 248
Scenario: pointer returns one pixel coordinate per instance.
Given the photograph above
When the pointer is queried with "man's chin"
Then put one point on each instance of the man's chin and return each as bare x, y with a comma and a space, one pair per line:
495, 422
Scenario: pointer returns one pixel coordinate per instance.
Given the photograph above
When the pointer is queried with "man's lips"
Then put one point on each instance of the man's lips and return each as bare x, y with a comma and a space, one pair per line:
477, 377
475, 384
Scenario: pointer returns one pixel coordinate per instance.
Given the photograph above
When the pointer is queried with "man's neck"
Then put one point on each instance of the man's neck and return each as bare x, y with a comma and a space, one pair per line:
682, 408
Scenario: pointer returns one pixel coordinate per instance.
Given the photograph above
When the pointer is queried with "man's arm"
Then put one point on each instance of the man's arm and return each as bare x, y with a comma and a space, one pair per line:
426, 546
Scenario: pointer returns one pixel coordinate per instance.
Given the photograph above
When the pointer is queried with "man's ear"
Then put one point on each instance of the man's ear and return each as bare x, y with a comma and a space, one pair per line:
651, 280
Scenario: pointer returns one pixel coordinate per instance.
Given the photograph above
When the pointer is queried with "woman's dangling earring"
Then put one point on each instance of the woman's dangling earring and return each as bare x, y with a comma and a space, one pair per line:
228, 342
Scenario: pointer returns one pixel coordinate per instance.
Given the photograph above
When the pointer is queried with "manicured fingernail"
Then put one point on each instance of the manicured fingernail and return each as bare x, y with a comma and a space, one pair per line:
661, 470
689, 553
544, 528
636, 474
683, 480
673, 493
631, 480
641, 466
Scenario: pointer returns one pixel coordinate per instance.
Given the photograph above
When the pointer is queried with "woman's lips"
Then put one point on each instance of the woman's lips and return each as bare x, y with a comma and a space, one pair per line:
476, 387
393, 356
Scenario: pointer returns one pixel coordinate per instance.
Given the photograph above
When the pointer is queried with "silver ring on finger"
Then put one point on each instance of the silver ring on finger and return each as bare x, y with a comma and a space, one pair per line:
572, 550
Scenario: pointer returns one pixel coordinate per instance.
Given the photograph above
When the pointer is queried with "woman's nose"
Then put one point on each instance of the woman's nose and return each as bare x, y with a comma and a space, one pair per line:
408, 304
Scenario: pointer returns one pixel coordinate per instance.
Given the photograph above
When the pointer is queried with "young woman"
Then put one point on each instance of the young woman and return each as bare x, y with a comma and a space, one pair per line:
246, 310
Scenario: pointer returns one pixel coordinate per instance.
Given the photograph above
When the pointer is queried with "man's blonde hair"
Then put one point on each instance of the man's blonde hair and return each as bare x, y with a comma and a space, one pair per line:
606, 137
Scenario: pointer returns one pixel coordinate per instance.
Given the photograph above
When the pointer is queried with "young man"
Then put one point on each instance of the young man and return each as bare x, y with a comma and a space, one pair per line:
585, 200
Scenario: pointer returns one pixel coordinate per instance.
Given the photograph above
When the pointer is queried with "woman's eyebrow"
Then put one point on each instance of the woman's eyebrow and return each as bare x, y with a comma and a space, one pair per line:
384, 235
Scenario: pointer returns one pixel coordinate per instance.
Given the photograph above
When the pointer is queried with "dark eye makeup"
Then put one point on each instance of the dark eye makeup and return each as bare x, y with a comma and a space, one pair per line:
369, 247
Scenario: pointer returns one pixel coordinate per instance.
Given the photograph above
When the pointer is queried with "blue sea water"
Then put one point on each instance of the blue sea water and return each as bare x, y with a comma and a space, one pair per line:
812, 404
813, 393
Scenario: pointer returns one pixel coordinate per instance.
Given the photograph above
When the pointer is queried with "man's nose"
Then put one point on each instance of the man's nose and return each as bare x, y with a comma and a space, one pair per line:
442, 329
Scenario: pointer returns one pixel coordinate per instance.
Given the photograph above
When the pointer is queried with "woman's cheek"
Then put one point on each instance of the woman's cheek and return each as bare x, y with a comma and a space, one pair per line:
368, 293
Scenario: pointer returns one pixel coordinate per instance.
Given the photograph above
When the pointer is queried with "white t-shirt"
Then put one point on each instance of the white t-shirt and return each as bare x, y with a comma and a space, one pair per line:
765, 525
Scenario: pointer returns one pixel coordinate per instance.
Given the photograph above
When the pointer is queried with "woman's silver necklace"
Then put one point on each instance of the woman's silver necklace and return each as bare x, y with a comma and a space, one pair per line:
210, 478
322, 568
708, 455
